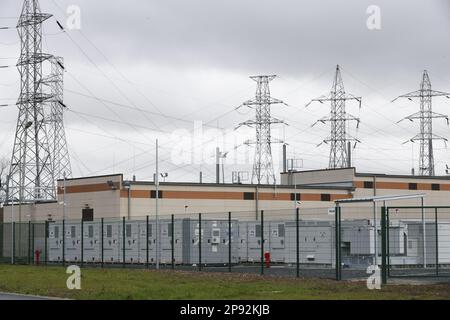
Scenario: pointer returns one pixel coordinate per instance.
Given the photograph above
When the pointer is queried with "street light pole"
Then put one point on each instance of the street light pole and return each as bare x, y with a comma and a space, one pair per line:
158, 238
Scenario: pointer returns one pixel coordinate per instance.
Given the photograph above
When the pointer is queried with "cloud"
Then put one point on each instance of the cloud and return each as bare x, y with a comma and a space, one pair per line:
191, 60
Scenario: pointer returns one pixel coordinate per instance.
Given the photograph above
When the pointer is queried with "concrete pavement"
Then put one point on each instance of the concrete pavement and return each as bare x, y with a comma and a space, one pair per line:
12, 296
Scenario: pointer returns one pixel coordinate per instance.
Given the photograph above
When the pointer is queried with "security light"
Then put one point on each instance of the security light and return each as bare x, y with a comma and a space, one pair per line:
111, 185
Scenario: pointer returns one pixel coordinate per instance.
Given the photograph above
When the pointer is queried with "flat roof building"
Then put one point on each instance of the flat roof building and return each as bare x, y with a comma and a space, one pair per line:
110, 196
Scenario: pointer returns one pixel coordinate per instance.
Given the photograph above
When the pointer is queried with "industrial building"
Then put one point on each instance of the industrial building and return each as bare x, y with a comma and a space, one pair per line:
111, 196
436, 188
125, 206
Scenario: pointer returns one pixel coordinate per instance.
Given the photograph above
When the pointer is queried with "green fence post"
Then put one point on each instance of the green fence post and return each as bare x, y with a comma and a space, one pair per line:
172, 242
102, 242
337, 231
82, 242
388, 243
64, 242
123, 242
297, 240
383, 246
437, 240
229, 241
32, 243
1, 242
147, 227
340, 242
262, 242
200, 242
2, 225
13, 256
29, 242
46, 233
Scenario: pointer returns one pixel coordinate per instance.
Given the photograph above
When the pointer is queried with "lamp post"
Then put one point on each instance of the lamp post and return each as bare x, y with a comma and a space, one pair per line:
127, 185
158, 238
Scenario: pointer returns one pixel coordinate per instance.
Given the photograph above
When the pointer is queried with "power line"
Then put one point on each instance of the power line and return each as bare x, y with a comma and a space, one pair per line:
132, 107
101, 71
132, 126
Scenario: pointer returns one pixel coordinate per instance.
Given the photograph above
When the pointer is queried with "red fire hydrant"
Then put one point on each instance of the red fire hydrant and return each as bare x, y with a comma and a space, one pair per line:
37, 254
267, 259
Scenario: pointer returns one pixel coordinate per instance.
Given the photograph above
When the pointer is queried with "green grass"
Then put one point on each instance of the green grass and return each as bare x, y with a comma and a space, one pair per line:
121, 284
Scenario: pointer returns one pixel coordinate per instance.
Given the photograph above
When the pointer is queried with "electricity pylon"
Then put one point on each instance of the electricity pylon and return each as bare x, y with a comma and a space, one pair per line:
426, 116
263, 171
31, 177
55, 123
339, 138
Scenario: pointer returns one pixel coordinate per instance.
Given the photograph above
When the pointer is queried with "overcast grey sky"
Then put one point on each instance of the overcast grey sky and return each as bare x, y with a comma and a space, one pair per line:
185, 61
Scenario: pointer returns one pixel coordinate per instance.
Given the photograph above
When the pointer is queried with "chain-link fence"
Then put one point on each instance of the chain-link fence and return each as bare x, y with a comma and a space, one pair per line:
20, 241
315, 242
418, 241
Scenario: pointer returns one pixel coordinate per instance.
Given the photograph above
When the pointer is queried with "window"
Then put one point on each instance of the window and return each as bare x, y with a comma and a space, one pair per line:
216, 233
412, 186
325, 197
258, 231
56, 232
153, 194
296, 197
435, 187
368, 184
410, 244
249, 196
88, 214
170, 229
128, 231
150, 230
90, 231
281, 230
73, 231
109, 231
405, 244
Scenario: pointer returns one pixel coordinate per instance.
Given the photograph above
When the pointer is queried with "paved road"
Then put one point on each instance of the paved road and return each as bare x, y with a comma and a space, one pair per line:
10, 296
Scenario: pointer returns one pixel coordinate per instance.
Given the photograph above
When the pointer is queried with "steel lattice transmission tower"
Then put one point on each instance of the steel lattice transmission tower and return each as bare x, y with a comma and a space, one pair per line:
31, 177
55, 125
426, 116
263, 171
339, 118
